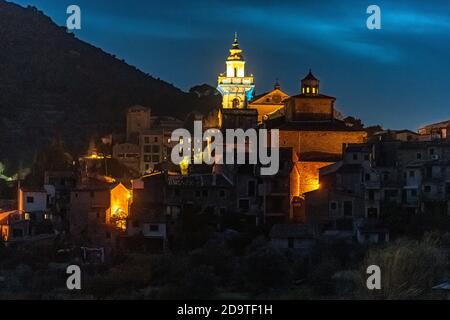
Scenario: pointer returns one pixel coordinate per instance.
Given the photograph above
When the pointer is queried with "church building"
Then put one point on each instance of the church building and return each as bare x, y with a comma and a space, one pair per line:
307, 123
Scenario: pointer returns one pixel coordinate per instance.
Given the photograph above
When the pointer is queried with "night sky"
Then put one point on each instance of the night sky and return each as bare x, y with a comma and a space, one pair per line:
397, 76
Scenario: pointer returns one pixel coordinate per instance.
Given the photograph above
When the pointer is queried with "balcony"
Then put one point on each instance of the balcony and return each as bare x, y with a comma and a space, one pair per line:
231, 81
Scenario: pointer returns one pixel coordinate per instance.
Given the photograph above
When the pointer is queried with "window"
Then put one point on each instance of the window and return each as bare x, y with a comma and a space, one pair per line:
427, 189
92, 194
27, 216
414, 193
390, 194
155, 139
235, 72
372, 213
146, 140
155, 148
348, 208
313, 90
429, 172
307, 89
30, 199
147, 158
147, 149
431, 151
412, 174
333, 206
147, 167
222, 211
371, 195
244, 205
291, 243
386, 176
154, 228
236, 103
418, 156
355, 156
367, 177
222, 193
155, 158
251, 190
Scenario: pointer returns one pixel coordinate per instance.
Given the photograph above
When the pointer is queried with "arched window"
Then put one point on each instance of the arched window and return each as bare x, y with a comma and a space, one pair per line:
236, 103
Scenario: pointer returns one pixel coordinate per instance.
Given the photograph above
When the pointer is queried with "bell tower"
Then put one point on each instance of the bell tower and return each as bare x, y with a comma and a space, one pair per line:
235, 86
310, 85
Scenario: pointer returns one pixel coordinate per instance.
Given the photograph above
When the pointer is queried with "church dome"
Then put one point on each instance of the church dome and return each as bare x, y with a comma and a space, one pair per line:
310, 85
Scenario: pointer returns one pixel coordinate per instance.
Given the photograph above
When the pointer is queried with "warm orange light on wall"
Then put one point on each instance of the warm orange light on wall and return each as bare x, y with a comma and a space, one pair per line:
121, 199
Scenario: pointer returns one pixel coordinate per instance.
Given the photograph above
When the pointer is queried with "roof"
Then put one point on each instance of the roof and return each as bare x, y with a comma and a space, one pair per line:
248, 111
406, 131
326, 125
6, 214
310, 76
313, 96
358, 147
259, 96
284, 231
95, 185
200, 180
436, 125
33, 189
138, 108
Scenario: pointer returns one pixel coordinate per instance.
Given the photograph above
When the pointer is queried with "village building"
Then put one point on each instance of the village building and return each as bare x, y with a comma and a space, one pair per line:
440, 130
14, 226
99, 212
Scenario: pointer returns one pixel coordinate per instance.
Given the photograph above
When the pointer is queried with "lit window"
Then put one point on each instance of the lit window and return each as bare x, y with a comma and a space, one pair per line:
313, 90
27, 216
307, 89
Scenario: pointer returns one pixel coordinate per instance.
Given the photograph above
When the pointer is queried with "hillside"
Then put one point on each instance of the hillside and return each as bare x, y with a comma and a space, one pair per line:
53, 84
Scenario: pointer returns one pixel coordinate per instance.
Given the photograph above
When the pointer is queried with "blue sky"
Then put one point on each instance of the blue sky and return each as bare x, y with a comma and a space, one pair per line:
397, 76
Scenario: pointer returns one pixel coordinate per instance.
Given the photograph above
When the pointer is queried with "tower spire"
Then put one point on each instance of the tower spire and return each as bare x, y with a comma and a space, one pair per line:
277, 84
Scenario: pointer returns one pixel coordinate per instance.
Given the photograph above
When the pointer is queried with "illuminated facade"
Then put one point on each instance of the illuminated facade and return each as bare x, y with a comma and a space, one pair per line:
308, 125
267, 104
235, 86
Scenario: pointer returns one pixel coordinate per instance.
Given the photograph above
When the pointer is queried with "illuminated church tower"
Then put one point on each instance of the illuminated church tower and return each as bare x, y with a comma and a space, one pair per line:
235, 87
